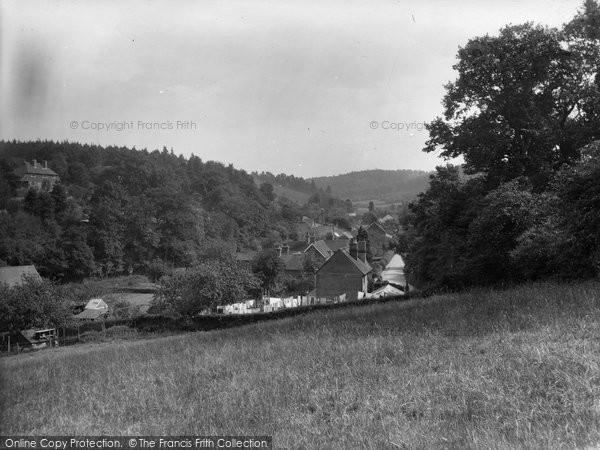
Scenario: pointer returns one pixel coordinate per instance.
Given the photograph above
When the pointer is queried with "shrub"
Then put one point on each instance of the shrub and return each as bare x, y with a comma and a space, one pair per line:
35, 303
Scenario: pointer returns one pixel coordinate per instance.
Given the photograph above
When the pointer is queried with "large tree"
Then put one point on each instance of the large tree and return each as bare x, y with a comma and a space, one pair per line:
205, 286
523, 102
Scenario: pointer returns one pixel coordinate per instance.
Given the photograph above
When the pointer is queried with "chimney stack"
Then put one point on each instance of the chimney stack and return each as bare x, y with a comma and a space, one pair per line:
45, 164
34, 163
353, 249
286, 249
312, 239
279, 251
362, 251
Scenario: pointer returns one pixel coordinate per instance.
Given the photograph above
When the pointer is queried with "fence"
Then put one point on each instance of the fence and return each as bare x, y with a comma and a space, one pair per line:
157, 323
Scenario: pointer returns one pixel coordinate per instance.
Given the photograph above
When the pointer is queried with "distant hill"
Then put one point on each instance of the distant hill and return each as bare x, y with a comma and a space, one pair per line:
388, 185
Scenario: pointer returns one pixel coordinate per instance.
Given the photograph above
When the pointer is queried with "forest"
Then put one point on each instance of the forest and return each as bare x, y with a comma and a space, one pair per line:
118, 210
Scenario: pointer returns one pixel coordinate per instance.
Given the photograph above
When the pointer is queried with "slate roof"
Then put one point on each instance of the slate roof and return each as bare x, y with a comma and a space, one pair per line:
38, 169
14, 275
364, 267
293, 261
375, 225
322, 248
297, 246
336, 244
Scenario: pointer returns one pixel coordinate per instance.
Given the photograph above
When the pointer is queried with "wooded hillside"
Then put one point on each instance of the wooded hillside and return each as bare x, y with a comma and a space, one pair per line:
118, 210
391, 185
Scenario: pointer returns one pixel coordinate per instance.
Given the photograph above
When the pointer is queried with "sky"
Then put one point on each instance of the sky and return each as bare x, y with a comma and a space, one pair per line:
310, 88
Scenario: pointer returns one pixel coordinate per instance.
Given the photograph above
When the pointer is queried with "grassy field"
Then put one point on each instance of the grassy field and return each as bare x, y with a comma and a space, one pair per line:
485, 369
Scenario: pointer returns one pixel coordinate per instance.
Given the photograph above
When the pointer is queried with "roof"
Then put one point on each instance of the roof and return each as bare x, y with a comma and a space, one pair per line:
36, 336
90, 313
297, 246
363, 267
336, 244
308, 221
96, 303
322, 248
30, 169
245, 256
15, 275
321, 230
375, 225
385, 291
293, 261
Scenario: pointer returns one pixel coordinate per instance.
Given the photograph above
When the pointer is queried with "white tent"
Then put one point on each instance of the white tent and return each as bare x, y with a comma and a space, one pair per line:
95, 308
385, 291
96, 303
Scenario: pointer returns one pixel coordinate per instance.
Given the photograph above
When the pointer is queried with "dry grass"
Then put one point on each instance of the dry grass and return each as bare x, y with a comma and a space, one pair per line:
485, 369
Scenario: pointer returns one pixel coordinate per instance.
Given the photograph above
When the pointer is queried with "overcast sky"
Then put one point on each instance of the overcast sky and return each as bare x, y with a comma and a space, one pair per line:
310, 88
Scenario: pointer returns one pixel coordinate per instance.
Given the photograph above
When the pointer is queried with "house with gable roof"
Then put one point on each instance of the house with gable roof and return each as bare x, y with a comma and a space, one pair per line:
345, 272
36, 176
378, 239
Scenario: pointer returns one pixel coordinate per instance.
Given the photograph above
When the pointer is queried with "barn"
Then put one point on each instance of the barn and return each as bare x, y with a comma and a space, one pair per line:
16, 275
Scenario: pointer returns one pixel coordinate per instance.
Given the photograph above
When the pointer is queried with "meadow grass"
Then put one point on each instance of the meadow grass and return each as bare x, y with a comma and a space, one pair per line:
484, 369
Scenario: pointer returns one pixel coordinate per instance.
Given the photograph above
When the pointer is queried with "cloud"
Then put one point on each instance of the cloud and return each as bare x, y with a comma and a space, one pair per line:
272, 85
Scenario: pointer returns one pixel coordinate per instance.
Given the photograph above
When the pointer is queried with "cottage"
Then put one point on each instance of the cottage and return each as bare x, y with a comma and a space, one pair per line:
16, 275
294, 263
36, 176
346, 272
378, 239
319, 251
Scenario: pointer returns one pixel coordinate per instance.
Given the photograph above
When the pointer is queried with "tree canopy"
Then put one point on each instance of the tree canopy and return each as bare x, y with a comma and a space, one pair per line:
524, 114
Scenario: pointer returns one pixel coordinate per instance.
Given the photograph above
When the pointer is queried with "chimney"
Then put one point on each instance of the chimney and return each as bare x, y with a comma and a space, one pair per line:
362, 251
34, 163
286, 249
311, 239
45, 164
333, 232
353, 249
279, 251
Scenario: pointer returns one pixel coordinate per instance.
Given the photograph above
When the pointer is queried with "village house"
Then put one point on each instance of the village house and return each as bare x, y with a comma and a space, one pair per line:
319, 251
246, 259
345, 272
36, 176
378, 239
16, 275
